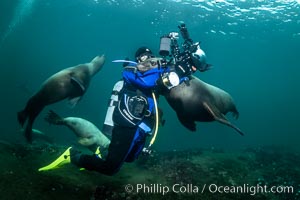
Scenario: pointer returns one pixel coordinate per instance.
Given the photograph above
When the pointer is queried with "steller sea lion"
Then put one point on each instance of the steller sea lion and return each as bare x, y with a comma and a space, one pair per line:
199, 101
69, 83
88, 134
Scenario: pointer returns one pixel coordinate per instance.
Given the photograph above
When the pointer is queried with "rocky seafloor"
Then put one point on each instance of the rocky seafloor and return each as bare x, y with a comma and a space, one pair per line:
192, 174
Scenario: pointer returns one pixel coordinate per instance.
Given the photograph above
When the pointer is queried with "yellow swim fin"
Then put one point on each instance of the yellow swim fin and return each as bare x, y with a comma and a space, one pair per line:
98, 152
60, 161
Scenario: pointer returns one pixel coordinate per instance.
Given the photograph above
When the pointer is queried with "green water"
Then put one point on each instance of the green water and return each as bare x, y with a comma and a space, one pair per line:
253, 45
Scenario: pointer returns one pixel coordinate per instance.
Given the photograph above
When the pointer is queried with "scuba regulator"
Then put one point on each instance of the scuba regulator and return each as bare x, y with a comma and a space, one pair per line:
186, 59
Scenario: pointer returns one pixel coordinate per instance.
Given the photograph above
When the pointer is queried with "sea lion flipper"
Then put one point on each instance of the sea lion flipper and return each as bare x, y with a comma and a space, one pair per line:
80, 91
78, 84
54, 118
22, 117
28, 131
86, 141
73, 101
218, 116
189, 124
214, 111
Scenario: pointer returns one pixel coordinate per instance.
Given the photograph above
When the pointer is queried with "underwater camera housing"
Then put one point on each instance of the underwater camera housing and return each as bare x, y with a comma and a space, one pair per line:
169, 45
166, 42
188, 54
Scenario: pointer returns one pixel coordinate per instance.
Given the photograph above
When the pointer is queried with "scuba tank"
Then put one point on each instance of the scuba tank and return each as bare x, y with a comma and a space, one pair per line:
113, 102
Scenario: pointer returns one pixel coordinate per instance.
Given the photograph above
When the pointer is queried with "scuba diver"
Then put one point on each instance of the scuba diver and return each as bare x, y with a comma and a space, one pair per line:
141, 54
130, 116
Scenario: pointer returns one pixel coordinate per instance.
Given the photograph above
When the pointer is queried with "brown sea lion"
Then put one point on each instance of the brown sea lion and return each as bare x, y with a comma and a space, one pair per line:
199, 101
69, 83
87, 133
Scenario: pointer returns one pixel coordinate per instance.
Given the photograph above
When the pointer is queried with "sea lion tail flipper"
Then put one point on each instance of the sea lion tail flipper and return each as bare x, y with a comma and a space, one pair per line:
54, 118
218, 116
22, 117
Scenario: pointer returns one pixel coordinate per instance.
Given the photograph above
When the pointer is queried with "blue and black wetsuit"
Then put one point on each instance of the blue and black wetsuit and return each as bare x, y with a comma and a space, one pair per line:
133, 122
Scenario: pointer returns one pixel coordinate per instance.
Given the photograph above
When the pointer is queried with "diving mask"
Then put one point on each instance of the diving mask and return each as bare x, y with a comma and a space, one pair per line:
145, 56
